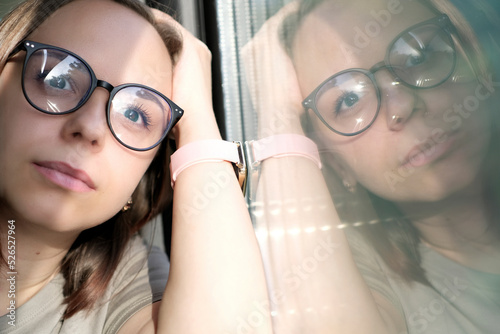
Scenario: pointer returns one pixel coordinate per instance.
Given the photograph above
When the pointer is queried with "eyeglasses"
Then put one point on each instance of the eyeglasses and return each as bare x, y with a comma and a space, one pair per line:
423, 56
57, 82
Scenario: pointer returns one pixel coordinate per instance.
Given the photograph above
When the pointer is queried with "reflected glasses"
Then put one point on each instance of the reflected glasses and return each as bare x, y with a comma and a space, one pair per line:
57, 82
423, 56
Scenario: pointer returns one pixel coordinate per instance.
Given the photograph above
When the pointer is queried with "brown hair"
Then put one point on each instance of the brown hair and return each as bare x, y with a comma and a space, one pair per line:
466, 33
92, 259
379, 221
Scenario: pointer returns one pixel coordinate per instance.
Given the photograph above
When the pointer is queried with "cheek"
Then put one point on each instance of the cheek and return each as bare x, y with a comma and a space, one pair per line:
368, 158
365, 157
454, 106
17, 133
10, 119
123, 175
124, 171
368, 161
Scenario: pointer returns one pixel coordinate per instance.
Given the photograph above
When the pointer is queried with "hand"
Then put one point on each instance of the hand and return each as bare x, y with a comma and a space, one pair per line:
192, 87
214, 256
272, 79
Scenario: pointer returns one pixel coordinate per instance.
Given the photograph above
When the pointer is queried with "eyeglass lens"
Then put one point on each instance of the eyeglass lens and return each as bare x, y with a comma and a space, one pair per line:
348, 102
57, 82
422, 57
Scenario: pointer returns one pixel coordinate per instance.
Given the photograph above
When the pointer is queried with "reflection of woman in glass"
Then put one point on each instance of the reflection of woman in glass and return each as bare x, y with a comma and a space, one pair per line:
84, 165
401, 98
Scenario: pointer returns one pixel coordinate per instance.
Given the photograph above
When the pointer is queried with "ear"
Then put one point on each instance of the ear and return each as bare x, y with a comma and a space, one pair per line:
342, 169
311, 124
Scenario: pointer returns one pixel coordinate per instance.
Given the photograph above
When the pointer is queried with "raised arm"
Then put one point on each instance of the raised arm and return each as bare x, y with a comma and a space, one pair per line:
216, 281
315, 285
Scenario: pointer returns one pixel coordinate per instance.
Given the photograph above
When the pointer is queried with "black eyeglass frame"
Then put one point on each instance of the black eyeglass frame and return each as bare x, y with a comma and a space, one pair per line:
31, 47
443, 21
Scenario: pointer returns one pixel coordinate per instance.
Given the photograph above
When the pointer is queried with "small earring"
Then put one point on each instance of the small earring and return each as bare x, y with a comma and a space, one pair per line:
127, 206
397, 119
349, 186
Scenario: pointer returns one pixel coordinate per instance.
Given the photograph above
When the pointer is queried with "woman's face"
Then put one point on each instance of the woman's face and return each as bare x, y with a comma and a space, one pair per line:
425, 144
67, 172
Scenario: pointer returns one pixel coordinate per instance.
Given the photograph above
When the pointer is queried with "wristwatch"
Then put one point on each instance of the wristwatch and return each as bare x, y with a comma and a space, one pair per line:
212, 150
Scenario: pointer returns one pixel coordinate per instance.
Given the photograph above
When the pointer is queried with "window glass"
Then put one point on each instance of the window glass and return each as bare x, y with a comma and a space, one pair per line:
238, 21
398, 231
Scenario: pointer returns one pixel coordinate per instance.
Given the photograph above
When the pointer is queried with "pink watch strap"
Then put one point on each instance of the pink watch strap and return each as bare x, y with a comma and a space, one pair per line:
215, 150
286, 145
212, 150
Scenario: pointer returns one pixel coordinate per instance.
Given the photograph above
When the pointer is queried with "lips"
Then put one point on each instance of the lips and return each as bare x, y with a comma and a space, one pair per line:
429, 151
65, 176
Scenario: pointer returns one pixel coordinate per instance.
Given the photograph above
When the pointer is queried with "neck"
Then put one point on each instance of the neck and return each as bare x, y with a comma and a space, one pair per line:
462, 227
33, 256
465, 216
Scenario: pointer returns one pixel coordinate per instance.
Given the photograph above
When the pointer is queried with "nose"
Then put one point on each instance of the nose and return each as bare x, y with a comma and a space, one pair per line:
88, 125
399, 101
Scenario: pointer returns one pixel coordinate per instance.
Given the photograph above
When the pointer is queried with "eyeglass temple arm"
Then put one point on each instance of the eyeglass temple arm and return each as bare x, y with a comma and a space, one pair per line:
16, 50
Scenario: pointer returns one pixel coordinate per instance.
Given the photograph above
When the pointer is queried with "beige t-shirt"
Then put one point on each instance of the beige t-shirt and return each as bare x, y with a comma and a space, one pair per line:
461, 301
138, 281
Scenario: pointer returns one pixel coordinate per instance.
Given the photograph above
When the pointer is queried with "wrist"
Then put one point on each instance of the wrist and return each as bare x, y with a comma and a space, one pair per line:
193, 128
283, 145
216, 150
208, 150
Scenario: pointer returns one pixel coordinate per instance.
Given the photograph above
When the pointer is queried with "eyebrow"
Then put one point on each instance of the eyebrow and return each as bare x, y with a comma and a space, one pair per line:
151, 96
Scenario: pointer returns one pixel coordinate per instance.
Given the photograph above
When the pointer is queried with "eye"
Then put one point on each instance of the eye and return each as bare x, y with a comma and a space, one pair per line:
346, 102
138, 115
54, 82
417, 57
415, 60
351, 99
59, 82
131, 115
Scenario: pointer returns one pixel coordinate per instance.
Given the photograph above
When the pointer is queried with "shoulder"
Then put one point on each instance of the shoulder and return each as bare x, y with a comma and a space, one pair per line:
139, 281
142, 322
382, 281
139, 260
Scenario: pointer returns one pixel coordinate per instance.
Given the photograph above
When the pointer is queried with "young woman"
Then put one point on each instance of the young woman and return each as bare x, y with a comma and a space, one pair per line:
401, 99
85, 90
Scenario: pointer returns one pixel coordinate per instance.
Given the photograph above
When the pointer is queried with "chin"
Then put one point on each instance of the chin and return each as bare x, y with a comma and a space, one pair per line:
58, 219
437, 188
